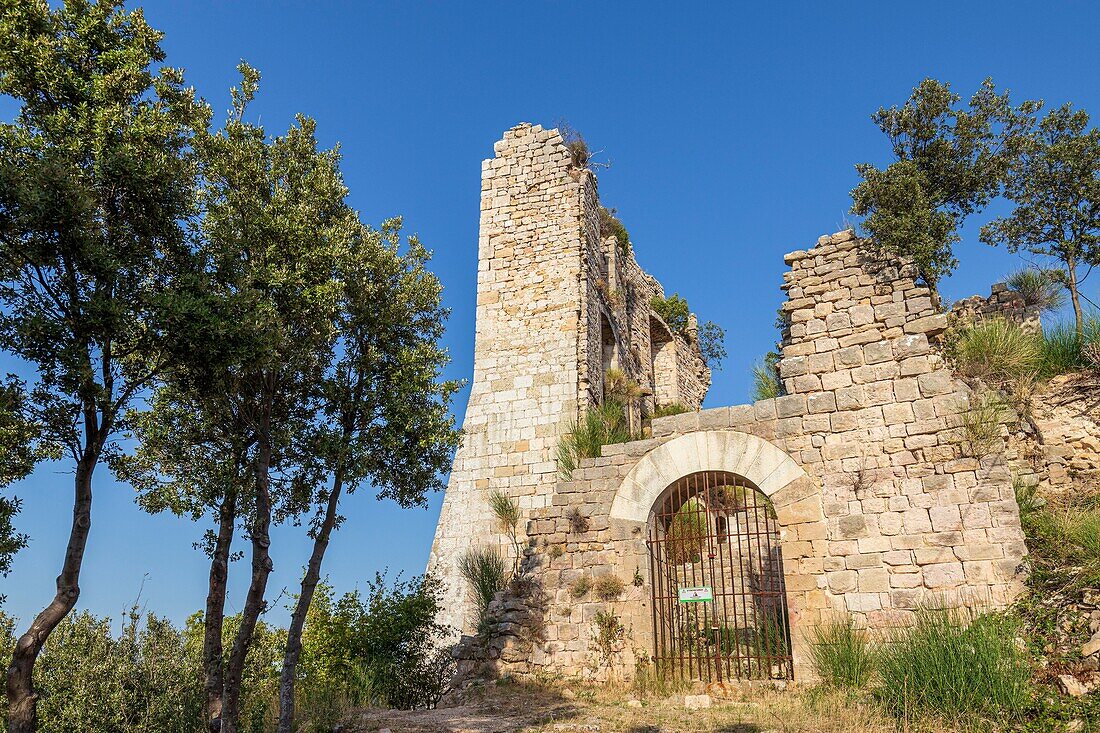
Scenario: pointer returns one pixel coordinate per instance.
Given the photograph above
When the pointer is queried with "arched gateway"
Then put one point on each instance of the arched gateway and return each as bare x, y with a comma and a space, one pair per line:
713, 505
716, 580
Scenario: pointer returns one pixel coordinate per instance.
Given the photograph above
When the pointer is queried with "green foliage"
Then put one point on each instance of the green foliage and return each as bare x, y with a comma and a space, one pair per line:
1066, 349
608, 587
954, 668
673, 408
486, 574
1054, 183
673, 310
382, 647
949, 162
766, 384
995, 350
1040, 288
842, 654
712, 338
610, 226
609, 637
687, 532
981, 423
601, 425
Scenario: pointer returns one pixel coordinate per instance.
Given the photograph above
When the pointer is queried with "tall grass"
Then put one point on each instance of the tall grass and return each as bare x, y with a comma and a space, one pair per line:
996, 350
600, 426
842, 654
765, 381
951, 666
1077, 531
486, 572
981, 423
1039, 288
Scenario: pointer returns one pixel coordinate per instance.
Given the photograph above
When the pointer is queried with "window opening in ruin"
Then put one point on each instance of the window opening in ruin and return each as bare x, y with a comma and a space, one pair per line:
717, 532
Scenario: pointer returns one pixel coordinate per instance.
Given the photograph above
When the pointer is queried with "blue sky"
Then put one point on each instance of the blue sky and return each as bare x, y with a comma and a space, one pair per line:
732, 130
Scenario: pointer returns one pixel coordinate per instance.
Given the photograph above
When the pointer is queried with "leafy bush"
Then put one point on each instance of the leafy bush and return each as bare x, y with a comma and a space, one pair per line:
953, 667
996, 350
1039, 287
673, 408
766, 384
673, 310
610, 226
608, 587
842, 655
600, 426
383, 647
485, 571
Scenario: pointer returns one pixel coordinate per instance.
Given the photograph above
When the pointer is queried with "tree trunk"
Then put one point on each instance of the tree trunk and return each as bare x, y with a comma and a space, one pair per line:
293, 650
1075, 297
261, 569
214, 618
22, 699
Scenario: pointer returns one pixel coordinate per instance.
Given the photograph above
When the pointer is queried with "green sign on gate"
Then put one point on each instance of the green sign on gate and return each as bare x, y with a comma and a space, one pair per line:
696, 595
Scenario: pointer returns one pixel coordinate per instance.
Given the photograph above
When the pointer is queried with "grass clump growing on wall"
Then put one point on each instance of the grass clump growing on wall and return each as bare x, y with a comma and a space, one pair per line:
953, 667
981, 423
610, 226
995, 350
600, 426
842, 654
608, 587
486, 573
673, 408
766, 384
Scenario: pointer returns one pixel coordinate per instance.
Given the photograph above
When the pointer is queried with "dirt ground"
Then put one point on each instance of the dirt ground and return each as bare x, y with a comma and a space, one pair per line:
513, 707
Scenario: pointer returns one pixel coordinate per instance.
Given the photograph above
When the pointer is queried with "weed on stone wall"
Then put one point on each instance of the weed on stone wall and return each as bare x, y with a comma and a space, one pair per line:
580, 587
608, 587
981, 423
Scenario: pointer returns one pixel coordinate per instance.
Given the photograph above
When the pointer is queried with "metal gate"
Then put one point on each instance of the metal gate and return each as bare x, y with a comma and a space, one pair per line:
719, 606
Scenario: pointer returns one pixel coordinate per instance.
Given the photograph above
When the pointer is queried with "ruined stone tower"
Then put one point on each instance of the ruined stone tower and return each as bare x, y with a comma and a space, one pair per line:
557, 306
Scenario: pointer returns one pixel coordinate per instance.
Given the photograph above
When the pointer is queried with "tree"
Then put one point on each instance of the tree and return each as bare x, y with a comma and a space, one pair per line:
1055, 185
274, 227
19, 451
95, 177
384, 415
950, 162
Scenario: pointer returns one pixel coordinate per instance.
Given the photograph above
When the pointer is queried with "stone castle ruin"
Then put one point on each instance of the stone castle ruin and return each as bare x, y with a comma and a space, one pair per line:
714, 545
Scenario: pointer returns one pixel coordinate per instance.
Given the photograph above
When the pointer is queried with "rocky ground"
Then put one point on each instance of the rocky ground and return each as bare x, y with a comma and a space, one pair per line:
511, 708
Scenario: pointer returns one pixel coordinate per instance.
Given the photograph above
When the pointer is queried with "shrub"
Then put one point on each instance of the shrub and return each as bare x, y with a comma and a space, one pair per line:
687, 532
981, 423
673, 310
996, 350
578, 523
610, 226
579, 153
842, 655
952, 666
485, 571
382, 647
1040, 288
1078, 532
608, 587
673, 408
600, 426
610, 634
766, 384
580, 587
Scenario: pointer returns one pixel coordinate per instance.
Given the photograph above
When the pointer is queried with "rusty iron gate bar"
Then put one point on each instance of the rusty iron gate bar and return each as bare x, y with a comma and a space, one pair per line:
716, 530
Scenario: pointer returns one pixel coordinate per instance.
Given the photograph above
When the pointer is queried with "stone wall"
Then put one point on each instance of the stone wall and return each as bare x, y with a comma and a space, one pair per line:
881, 506
1003, 302
556, 305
